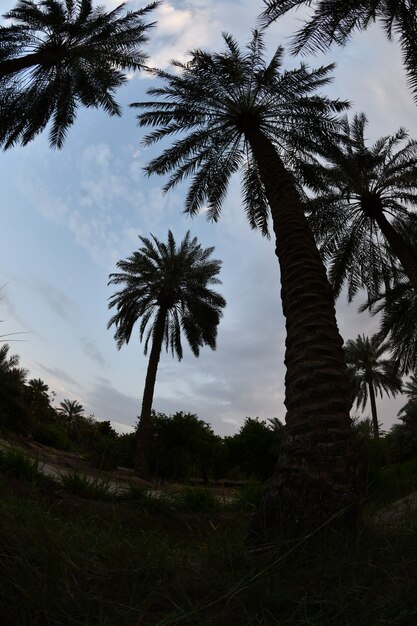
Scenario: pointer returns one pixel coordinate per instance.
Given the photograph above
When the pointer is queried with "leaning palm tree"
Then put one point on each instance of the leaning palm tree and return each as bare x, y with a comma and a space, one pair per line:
57, 54
371, 374
334, 21
236, 112
167, 287
363, 203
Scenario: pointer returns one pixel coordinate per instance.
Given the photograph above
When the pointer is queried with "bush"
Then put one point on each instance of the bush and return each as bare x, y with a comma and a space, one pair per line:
197, 500
86, 487
249, 496
53, 435
16, 463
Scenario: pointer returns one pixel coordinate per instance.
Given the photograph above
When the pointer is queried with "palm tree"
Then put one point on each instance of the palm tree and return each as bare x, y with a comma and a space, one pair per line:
58, 54
71, 411
236, 112
362, 207
370, 374
334, 21
167, 287
12, 384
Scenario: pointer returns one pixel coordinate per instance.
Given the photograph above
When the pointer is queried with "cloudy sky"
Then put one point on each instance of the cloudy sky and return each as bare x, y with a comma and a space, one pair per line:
67, 217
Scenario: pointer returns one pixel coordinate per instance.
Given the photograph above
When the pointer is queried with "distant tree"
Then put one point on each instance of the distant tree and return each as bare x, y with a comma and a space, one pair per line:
70, 411
13, 411
334, 21
184, 446
371, 374
57, 54
255, 448
363, 206
167, 288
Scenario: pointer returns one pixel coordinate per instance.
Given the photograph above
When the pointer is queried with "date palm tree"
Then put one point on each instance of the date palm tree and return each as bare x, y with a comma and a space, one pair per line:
334, 21
371, 374
168, 288
236, 112
363, 207
57, 54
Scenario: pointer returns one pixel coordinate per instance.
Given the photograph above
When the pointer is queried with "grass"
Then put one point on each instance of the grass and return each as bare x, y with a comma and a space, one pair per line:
86, 487
140, 560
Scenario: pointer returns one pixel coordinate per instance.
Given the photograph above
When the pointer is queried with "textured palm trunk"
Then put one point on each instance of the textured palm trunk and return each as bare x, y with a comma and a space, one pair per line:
373, 409
143, 431
316, 475
400, 248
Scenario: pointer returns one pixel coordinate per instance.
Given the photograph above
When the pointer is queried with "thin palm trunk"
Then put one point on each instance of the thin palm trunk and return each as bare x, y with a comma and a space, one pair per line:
316, 473
399, 247
373, 409
143, 431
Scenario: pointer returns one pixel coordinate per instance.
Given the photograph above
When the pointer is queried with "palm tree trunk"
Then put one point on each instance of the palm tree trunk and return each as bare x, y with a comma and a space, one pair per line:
373, 410
316, 474
399, 247
143, 431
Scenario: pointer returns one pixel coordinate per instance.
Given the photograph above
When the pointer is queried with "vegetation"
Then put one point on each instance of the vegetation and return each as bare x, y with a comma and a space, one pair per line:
168, 288
87, 542
370, 374
336, 21
57, 54
363, 207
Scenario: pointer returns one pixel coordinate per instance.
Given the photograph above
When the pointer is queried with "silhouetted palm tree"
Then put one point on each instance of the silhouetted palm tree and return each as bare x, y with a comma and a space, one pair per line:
236, 112
70, 410
334, 21
371, 374
362, 207
167, 288
12, 380
57, 54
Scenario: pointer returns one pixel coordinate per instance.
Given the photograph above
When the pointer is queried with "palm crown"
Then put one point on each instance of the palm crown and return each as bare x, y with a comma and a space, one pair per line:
369, 373
362, 207
175, 279
334, 21
57, 54
215, 99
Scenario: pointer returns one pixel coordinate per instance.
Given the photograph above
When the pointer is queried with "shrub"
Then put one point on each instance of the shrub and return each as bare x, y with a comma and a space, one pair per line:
53, 435
86, 487
196, 499
16, 463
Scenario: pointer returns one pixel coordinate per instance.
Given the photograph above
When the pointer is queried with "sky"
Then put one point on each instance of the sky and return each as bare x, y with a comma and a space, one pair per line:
68, 216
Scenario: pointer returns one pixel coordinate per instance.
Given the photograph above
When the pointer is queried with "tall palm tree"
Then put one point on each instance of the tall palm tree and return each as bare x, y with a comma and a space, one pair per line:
334, 21
57, 54
167, 287
362, 207
12, 384
370, 373
236, 112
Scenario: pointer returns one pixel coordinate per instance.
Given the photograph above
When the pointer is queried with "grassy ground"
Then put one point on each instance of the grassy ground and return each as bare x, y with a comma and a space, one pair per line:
71, 559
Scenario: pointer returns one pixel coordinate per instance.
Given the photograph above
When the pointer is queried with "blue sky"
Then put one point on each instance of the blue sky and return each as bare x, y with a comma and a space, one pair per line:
68, 216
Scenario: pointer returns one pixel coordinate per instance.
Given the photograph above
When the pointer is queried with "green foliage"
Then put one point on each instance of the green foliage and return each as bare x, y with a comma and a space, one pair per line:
90, 488
14, 462
58, 54
253, 451
249, 496
196, 500
183, 446
14, 415
52, 434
